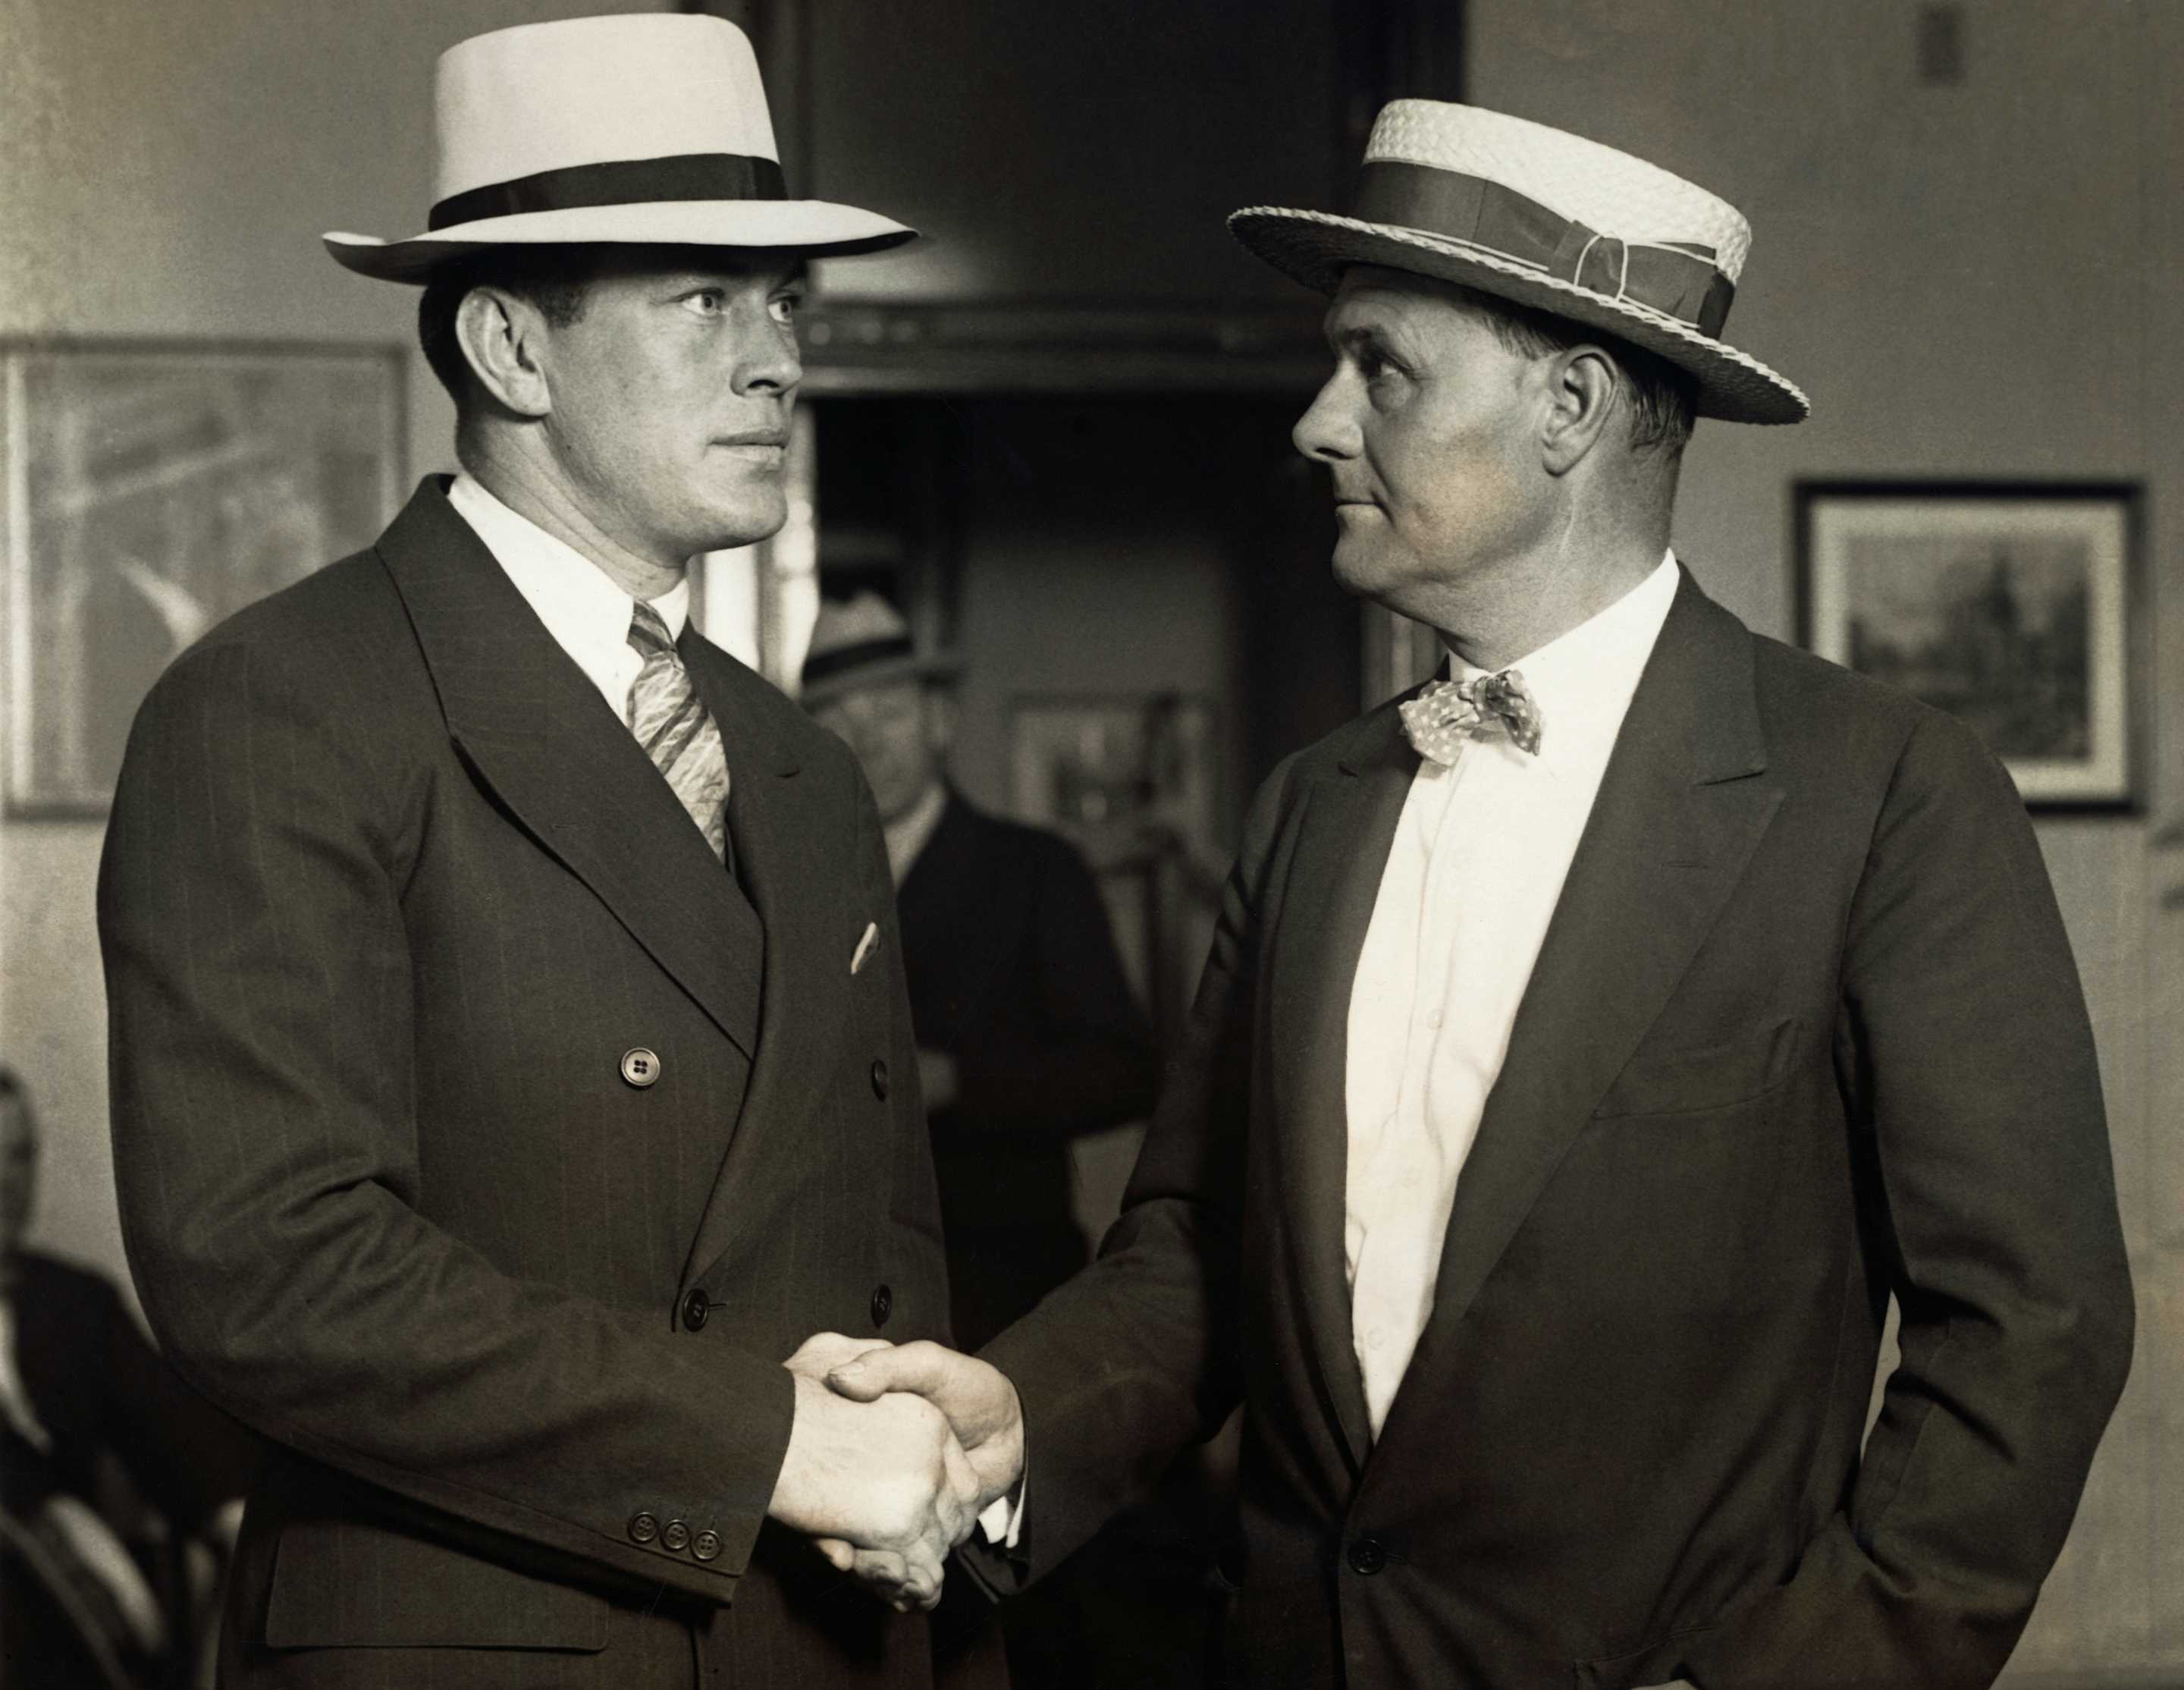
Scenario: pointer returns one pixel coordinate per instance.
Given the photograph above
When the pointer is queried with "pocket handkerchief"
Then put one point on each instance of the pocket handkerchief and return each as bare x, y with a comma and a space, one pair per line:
866, 945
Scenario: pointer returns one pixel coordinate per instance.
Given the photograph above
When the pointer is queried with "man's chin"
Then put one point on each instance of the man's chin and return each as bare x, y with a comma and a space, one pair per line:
743, 523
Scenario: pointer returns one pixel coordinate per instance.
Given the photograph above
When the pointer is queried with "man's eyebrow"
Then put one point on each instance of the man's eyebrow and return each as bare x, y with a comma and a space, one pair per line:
1358, 337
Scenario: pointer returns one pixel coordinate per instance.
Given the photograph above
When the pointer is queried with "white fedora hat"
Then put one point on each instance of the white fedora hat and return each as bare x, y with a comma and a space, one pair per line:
863, 641
1548, 219
648, 128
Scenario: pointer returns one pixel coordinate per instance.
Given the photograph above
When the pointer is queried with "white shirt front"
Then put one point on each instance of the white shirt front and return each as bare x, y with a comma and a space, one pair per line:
586, 612
1471, 881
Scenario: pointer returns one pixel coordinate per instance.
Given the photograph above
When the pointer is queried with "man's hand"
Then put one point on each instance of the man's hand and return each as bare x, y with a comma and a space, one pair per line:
980, 1404
885, 1478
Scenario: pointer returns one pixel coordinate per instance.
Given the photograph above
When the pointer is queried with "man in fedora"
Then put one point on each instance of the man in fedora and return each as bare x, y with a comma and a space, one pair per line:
1591, 1044
1028, 1037
510, 1059
1027, 1034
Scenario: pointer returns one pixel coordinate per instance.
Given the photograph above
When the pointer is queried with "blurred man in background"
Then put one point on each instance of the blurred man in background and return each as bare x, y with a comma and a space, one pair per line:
89, 1595
1027, 1034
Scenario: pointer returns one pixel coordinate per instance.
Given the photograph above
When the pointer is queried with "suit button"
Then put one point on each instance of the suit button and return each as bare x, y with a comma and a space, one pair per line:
695, 1308
1367, 1555
675, 1536
880, 1080
882, 1306
642, 1528
639, 1067
706, 1545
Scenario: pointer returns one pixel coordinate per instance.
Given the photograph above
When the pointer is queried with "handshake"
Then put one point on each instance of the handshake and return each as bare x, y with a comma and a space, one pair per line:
894, 1454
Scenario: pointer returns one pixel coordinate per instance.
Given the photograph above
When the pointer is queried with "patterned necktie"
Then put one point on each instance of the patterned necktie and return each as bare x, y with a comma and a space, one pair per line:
672, 724
1443, 718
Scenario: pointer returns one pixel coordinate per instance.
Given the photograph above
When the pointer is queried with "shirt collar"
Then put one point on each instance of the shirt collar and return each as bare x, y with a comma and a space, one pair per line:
583, 609
1583, 679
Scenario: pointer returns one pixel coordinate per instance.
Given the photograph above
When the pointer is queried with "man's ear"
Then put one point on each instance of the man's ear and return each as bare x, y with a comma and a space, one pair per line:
1583, 387
503, 337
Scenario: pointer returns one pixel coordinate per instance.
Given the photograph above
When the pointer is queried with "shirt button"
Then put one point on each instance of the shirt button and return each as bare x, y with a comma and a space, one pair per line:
882, 1306
642, 1528
640, 1067
676, 1535
880, 1080
706, 1545
1433, 1020
1375, 1338
695, 1308
1367, 1555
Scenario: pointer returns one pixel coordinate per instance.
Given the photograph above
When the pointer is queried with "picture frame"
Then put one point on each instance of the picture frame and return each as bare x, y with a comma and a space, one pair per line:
1135, 782
149, 490
2013, 605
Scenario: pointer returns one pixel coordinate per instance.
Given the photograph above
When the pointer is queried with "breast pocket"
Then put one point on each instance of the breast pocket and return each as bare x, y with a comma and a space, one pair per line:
1697, 1079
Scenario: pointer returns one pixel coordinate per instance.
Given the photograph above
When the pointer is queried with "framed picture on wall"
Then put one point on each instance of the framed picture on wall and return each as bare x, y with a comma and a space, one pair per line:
2011, 605
1134, 783
151, 489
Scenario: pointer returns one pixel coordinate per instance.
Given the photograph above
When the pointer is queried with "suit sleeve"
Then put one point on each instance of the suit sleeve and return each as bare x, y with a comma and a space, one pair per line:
1078, 1056
1136, 1358
265, 1145
1965, 1043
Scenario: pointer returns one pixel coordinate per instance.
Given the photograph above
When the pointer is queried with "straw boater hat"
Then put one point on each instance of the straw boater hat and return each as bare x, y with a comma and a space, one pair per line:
649, 128
864, 642
1548, 219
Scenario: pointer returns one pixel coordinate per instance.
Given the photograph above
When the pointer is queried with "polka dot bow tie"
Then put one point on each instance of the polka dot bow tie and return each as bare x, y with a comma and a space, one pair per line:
1441, 720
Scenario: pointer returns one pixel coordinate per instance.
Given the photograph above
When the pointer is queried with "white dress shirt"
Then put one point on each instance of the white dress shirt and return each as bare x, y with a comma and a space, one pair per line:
586, 612
1479, 855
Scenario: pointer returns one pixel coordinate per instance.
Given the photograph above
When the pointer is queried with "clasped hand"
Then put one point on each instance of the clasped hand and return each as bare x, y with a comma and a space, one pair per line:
894, 1453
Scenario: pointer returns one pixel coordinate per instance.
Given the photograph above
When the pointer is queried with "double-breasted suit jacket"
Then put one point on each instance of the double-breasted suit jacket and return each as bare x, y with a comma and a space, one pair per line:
487, 1146
1804, 1031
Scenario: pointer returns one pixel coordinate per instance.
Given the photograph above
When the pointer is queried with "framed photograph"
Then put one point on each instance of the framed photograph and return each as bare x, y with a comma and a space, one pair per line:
2012, 605
1134, 783
151, 489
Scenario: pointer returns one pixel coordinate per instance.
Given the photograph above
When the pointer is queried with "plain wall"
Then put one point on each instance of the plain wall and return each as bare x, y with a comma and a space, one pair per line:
1969, 280
167, 170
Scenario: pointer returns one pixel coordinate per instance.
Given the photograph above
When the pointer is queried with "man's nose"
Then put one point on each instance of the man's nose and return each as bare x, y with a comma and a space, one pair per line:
772, 363
1328, 431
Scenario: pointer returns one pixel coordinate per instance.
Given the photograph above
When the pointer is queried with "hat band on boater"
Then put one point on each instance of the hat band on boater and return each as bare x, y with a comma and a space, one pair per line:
619, 181
1680, 280
820, 665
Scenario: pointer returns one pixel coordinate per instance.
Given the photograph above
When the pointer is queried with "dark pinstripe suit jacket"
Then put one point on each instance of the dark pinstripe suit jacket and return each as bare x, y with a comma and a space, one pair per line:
388, 894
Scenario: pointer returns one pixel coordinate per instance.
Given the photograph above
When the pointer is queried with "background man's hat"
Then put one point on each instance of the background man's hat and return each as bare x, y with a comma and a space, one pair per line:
1548, 219
864, 642
650, 128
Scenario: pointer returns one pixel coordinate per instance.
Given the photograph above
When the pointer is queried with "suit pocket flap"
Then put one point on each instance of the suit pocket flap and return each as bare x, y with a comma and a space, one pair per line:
339, 1583
1711, 1076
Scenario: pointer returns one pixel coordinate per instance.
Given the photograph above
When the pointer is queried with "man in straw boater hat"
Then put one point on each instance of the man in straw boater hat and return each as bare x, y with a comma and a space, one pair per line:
511, 1066
1592, 1042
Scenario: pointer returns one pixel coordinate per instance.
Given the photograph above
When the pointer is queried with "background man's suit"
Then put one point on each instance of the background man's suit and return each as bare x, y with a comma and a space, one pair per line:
1805, 1029
1013, 973
487, 1146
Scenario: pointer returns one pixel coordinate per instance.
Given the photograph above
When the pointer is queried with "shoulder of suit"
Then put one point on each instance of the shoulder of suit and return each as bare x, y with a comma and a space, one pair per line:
1835, 717
343, 622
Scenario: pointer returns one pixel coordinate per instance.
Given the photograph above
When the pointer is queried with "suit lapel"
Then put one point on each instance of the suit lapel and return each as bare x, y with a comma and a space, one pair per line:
1346, 829
1681, 807
797, 859
536, 733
